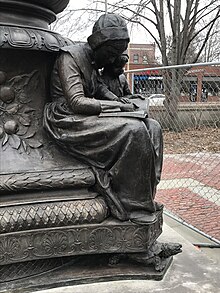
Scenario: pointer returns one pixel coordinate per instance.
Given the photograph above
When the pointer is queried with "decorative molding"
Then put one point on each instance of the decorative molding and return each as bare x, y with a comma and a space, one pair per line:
30, 268
35, 6
109, 237
26, 38
31, 38
24, 12
55, 5
52, 214
42, 180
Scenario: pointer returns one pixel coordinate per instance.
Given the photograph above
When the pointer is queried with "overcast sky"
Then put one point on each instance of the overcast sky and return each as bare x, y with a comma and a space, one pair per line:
137, 34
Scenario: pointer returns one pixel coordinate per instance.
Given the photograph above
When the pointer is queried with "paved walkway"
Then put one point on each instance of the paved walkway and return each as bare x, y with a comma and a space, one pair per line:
190, 189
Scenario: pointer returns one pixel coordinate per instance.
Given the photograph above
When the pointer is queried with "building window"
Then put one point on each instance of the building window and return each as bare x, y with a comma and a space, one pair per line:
145, 59
135, 58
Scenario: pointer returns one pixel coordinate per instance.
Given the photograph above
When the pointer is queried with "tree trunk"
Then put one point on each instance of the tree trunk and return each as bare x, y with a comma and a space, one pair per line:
172, 89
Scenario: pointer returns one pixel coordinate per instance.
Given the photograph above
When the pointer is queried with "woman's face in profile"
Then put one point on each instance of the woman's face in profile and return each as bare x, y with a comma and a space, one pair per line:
109, 51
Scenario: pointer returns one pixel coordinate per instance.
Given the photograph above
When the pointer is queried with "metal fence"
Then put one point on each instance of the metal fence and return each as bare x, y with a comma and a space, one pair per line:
185, 99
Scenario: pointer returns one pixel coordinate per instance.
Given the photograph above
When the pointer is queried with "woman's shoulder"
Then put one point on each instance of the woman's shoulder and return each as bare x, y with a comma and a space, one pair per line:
77, 50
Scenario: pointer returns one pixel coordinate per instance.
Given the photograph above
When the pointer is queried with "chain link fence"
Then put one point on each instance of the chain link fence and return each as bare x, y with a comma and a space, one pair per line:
186, 101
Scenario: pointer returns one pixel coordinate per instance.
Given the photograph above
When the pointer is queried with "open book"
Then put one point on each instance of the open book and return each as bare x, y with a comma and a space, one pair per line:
140, 112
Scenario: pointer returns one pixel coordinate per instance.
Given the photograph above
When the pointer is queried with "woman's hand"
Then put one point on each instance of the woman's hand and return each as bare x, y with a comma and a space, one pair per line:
125, 100
137, 96
127, 107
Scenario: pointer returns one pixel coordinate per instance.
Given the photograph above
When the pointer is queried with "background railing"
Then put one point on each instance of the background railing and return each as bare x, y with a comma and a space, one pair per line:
185, 99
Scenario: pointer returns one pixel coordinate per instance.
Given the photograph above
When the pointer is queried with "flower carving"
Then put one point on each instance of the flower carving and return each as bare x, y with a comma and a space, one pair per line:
16, 115
55, 243
9, 248
101, 239
125, 237
142, 237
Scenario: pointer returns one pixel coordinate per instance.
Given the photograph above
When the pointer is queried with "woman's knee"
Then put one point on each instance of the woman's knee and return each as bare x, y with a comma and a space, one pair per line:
137, 126
153, 125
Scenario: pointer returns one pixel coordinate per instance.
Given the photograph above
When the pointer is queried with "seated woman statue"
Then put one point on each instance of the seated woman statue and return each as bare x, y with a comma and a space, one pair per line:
124, 153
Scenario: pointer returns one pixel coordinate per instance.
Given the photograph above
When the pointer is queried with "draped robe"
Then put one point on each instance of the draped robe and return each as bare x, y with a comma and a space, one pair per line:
124, 153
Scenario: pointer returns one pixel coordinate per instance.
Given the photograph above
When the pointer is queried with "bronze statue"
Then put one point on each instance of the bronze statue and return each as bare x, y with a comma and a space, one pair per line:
78, 175
124, 153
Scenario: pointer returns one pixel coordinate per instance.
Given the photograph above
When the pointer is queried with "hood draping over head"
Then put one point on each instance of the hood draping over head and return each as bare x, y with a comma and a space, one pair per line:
108, 27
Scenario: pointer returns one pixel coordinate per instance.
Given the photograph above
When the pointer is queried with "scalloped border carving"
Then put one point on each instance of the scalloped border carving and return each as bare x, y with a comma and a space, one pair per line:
32, 39
108, 237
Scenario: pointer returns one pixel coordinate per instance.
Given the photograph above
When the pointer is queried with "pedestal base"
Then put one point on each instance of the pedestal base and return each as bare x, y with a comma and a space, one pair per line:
110, 236
86, 269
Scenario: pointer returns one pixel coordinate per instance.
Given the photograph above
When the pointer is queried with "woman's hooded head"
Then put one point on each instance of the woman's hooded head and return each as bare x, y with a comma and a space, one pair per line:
109, 27
109, 39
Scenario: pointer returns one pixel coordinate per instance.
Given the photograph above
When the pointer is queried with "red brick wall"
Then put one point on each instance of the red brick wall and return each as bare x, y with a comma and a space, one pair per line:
145, 52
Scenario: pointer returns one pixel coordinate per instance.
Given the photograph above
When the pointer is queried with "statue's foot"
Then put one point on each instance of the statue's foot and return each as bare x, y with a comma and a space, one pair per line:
143, 217
156, 255
169, 249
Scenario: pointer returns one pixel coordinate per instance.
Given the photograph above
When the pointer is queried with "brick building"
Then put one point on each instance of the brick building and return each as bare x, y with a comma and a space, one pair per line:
141, 56
198, 84
203, 80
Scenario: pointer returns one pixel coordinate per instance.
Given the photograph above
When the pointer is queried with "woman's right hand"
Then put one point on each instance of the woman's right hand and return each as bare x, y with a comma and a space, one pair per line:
127, 107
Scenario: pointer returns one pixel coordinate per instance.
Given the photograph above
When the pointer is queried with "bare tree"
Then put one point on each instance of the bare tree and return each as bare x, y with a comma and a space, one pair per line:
211, 50
183, 22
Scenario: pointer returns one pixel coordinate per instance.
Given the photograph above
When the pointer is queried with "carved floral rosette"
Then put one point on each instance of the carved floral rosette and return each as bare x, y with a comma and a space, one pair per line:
16, 115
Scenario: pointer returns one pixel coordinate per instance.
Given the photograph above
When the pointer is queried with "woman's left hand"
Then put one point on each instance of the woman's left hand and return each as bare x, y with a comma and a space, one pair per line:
125, 101
137, 96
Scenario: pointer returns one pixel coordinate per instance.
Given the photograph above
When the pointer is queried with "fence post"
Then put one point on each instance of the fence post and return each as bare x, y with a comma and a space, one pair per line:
199, 85
132, 83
